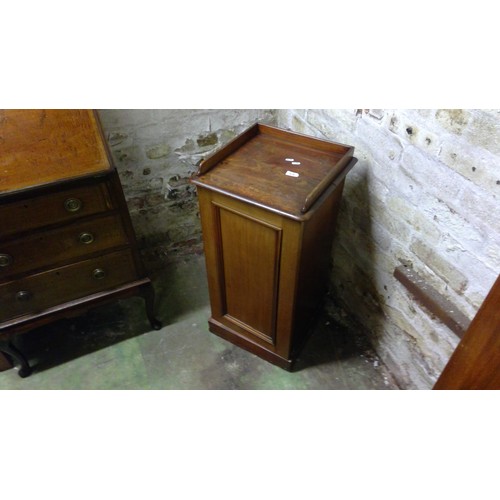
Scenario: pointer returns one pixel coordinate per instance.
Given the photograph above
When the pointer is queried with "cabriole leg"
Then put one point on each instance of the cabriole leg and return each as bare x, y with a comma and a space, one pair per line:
7, 348
148, 294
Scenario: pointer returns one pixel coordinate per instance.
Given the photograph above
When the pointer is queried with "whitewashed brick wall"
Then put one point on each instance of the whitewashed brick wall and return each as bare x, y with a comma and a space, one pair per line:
426, 192
155, 152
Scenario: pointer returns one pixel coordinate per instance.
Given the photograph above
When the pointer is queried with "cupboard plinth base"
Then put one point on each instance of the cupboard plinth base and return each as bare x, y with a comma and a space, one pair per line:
235, 338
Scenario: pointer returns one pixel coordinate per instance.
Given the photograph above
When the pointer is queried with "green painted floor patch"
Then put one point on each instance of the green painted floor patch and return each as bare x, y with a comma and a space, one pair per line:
114, 347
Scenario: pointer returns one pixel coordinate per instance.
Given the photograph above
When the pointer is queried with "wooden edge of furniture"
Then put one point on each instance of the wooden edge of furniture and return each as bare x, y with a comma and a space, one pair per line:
333, 181
119, 197
103, 137
102, 145
76, 306
226, 150
5, 362
475, 363
340, 170
219, 329
54, 185
254, 130
209, 187
306, 140
10, 356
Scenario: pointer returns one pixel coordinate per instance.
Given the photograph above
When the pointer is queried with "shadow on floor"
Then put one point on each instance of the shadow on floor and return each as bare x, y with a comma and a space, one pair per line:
114, 347
331, 342
68, 339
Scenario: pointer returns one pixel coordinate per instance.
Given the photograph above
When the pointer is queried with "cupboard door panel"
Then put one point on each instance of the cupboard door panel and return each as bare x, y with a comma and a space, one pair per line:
250, 252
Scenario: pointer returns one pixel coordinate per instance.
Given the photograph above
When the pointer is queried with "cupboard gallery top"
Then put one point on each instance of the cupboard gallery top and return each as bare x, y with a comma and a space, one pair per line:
276, 169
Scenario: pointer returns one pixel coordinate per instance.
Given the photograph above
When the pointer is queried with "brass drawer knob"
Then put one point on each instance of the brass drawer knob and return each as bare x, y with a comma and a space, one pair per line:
98, 274
73, 204
23, 295
86, 238
5, 260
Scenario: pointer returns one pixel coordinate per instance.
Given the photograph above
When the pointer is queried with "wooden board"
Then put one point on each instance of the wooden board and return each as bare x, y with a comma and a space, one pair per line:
41, 146
475, 364
276, 169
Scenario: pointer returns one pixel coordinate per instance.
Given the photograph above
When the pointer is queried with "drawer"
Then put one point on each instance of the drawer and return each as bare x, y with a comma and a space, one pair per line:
40, 210
40, 291
49, 248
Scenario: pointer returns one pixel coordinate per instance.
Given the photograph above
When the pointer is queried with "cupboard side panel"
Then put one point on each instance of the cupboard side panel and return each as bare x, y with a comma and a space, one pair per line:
211, 242
315, 265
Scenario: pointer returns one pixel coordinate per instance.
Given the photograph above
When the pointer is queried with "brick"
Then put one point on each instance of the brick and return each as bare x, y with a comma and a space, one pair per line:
377, 114
329, 126
493, 255
345, 118
444, 269
406, 185
381, 236
388, 149
484, 131
342, 261
421, 224
154, 199
432, 174
476, 165
481, 208
126, 156
454, 120
135, 203
210, 139
116, 138
237, 119
396, 227
298, 124
424, 113
426, 134
452, 224
396, 349
158, 151
474, 267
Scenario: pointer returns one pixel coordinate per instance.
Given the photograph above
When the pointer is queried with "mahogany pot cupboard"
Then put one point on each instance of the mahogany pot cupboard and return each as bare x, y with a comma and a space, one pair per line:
66, 240
268, 205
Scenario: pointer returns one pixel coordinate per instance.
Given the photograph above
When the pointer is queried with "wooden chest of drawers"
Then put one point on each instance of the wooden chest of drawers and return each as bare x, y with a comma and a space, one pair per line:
268, 205
66, 240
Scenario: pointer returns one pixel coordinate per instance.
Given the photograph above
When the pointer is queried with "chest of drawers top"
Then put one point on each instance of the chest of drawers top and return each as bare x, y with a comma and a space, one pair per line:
39, 147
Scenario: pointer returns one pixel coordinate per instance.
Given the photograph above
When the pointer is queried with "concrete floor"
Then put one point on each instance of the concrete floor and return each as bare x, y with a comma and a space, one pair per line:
113, 347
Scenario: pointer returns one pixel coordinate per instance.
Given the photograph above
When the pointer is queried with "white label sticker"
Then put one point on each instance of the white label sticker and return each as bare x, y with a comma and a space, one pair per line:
292, 174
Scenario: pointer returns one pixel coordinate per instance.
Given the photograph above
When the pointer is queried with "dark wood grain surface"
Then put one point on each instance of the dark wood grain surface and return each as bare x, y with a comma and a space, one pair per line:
257, 169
